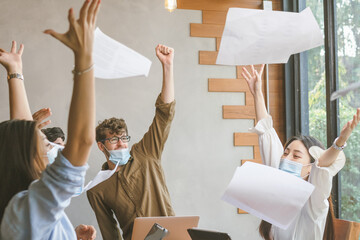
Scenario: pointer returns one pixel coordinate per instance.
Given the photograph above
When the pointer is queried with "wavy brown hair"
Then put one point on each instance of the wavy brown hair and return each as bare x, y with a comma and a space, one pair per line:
21, 159
265, 227
113, 125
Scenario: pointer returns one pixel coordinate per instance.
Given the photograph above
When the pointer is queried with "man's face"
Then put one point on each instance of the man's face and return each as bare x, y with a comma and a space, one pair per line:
110, 142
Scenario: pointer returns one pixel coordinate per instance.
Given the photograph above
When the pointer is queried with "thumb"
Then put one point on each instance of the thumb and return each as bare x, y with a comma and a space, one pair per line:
58, 36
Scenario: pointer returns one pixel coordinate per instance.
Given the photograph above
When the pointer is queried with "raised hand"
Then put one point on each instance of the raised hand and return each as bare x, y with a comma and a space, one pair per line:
165, 54
12, 60
80, 36
348, 128
85, 232
40, 116
254, 79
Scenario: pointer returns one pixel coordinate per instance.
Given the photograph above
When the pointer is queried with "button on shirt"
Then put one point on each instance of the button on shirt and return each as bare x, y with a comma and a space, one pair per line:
38, 213
310, 222
138, 189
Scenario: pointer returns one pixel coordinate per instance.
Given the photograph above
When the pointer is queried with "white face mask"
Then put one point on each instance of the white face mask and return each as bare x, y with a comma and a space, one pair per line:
292, 167
119, 157
53, 152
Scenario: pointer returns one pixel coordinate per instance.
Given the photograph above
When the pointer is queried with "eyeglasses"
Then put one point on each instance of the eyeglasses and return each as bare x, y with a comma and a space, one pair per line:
114, 140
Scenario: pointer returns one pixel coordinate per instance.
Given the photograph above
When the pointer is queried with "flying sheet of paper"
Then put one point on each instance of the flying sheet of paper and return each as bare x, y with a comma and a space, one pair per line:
259, 36
268, 193
114, 60
345, 91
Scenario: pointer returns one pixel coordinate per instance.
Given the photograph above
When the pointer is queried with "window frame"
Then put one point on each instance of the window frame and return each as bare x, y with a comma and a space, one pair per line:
296, 90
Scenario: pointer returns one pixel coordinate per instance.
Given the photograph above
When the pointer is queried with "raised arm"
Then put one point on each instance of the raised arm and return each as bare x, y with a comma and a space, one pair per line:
331, 154
81, 123
254, 82
166, 57
19, 105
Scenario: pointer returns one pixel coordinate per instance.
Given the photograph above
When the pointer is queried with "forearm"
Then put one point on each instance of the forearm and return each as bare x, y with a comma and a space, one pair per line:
167, 91
81, 122
260, 107
331, 154
19, 105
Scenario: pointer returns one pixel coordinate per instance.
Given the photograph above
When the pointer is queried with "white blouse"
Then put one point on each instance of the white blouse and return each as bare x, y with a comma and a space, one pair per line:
310, 222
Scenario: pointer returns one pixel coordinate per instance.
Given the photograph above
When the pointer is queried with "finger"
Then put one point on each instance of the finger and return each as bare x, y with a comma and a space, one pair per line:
244, 76
253, 69
91, 10
247, 73
42, 125
21, 49
58, 36
2, 50
262, 69
13, 47
71, 17
84, 10
96, 12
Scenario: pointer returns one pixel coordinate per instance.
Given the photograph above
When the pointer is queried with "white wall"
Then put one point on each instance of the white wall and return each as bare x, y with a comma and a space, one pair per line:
199, 157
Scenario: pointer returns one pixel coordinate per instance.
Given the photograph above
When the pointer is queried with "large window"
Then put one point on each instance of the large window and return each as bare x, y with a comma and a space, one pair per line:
348, 55
315, 74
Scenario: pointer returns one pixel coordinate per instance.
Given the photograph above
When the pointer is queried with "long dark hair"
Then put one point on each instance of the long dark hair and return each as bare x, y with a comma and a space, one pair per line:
265, 227
20, 158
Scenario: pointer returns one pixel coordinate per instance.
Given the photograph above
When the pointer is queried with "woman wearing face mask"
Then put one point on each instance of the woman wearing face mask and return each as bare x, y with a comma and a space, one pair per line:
303, 157
33, 199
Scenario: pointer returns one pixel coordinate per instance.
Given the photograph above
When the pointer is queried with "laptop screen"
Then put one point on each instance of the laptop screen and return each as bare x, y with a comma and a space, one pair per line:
200, 234
176, 226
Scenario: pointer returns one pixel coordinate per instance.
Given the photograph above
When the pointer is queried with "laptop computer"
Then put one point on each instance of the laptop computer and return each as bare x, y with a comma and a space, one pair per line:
201, 234
176, 226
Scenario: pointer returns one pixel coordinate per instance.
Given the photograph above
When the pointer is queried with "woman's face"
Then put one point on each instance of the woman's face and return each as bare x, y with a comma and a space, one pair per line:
297, 152
45, 146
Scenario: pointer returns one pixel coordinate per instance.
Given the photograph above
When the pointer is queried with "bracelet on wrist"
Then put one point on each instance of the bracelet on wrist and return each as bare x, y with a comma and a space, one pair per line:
78, 73
15, 75
337, 147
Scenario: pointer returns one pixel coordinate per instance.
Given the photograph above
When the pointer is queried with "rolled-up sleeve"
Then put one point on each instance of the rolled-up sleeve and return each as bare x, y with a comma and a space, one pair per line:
36, 211
270, 145
321, 178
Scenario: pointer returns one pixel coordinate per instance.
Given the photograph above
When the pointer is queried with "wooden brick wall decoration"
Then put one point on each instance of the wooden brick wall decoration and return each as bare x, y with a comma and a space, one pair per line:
212, 26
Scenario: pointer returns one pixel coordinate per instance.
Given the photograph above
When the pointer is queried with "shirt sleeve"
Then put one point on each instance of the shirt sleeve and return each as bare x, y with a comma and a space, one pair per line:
321, 178
152, 143
104, 217
270, 145
37, 210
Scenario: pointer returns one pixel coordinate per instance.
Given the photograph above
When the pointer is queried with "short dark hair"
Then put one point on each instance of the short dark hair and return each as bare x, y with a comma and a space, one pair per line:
113, 125
53, 133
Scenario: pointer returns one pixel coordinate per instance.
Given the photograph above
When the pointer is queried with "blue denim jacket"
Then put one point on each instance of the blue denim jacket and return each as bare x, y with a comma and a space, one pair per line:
38, 213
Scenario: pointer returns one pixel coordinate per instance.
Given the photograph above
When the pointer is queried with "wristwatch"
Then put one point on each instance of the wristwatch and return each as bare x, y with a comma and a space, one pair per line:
15, 75
337, 147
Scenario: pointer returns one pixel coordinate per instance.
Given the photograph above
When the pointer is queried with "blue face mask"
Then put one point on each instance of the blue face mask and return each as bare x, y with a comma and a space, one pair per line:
119, 157
52, 154
291, 167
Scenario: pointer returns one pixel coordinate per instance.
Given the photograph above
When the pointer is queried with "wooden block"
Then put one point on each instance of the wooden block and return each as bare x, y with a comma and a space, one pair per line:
206, 30
218, 5
214, 17
257, 154
251, 160
246, 139
227, 85
218, 41
207, 57
241, 211
238, 112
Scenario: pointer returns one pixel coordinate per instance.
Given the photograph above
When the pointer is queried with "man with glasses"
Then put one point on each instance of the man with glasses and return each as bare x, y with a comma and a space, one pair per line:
137, 188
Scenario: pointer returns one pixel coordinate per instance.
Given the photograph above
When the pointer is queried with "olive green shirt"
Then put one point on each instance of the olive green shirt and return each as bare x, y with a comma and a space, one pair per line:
138, 189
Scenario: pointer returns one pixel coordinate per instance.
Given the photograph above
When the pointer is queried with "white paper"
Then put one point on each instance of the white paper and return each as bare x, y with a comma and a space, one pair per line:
100, 177
114, 60
258, 36
345, 91
268, 193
